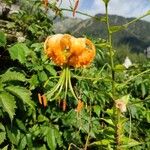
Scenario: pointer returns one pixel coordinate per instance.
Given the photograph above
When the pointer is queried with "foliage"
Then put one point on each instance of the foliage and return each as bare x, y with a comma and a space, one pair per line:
104, 88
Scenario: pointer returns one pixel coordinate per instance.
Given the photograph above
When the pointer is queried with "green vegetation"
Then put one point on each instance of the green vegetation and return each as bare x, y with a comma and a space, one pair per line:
116, 100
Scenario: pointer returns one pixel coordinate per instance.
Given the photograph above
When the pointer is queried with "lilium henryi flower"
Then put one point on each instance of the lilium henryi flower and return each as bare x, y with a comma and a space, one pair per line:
67, 51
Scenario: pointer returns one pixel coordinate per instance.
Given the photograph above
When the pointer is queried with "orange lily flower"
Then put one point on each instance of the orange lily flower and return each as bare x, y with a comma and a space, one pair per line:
68, 50
65, 51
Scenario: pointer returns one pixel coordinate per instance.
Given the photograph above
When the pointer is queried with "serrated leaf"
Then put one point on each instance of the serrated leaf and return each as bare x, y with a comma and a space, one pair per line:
2, 137
19, 52
23, 143
29, 140
21, 125
50, 138
12, 75
42, 118
2, 39
97, 109
129, 142
51, 70
34, 82
12, 137
109, 121
58, 137
2, 133
22, 93
8, 104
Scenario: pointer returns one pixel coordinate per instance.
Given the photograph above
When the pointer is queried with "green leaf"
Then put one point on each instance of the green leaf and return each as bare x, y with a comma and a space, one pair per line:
41, 148
129, 142
2, 39
21, 125
2, 137
143, 89
2, 133
116, 28
42, 76
1, 86
22, 93
119, 68
58, 137
42, 118
148, 116
23, 143
29, 140
97, 109
51, 70
34, 82
102, 142
125, 99
8, 104
12, 137
37, 46
12, 75
50, 138
5, 148
19, 52
109, 121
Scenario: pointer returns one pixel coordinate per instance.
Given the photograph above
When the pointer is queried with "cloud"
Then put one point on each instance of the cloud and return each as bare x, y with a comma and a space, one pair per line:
127, 8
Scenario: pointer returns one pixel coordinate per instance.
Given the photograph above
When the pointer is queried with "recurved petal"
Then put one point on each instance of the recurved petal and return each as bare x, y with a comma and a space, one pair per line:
77, 45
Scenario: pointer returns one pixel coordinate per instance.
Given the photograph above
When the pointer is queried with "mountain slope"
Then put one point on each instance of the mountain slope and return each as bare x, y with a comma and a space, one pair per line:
136, 35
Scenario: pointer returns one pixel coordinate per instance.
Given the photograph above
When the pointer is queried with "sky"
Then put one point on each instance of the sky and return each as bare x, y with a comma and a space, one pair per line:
126, 8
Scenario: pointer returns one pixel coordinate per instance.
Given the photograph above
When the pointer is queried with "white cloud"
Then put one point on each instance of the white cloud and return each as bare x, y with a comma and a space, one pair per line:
127, 8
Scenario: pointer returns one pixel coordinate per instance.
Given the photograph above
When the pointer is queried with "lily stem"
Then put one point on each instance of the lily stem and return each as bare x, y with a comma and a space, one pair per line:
115, 111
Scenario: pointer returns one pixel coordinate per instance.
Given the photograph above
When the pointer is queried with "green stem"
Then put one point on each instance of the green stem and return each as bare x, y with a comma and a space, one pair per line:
79, 12
90, 127
71, 144
135, 20
118, 130
110, 50
60, 89
70, 85
55, 88
66, 82
146, 71
46, 82
87, 78
116, 113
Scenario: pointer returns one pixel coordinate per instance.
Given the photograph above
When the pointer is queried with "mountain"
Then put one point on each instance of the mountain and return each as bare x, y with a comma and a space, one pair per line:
61, 25
137, 35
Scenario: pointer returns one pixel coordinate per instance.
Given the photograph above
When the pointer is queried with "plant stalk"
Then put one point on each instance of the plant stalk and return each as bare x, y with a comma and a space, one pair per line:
115, 111
110, 50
